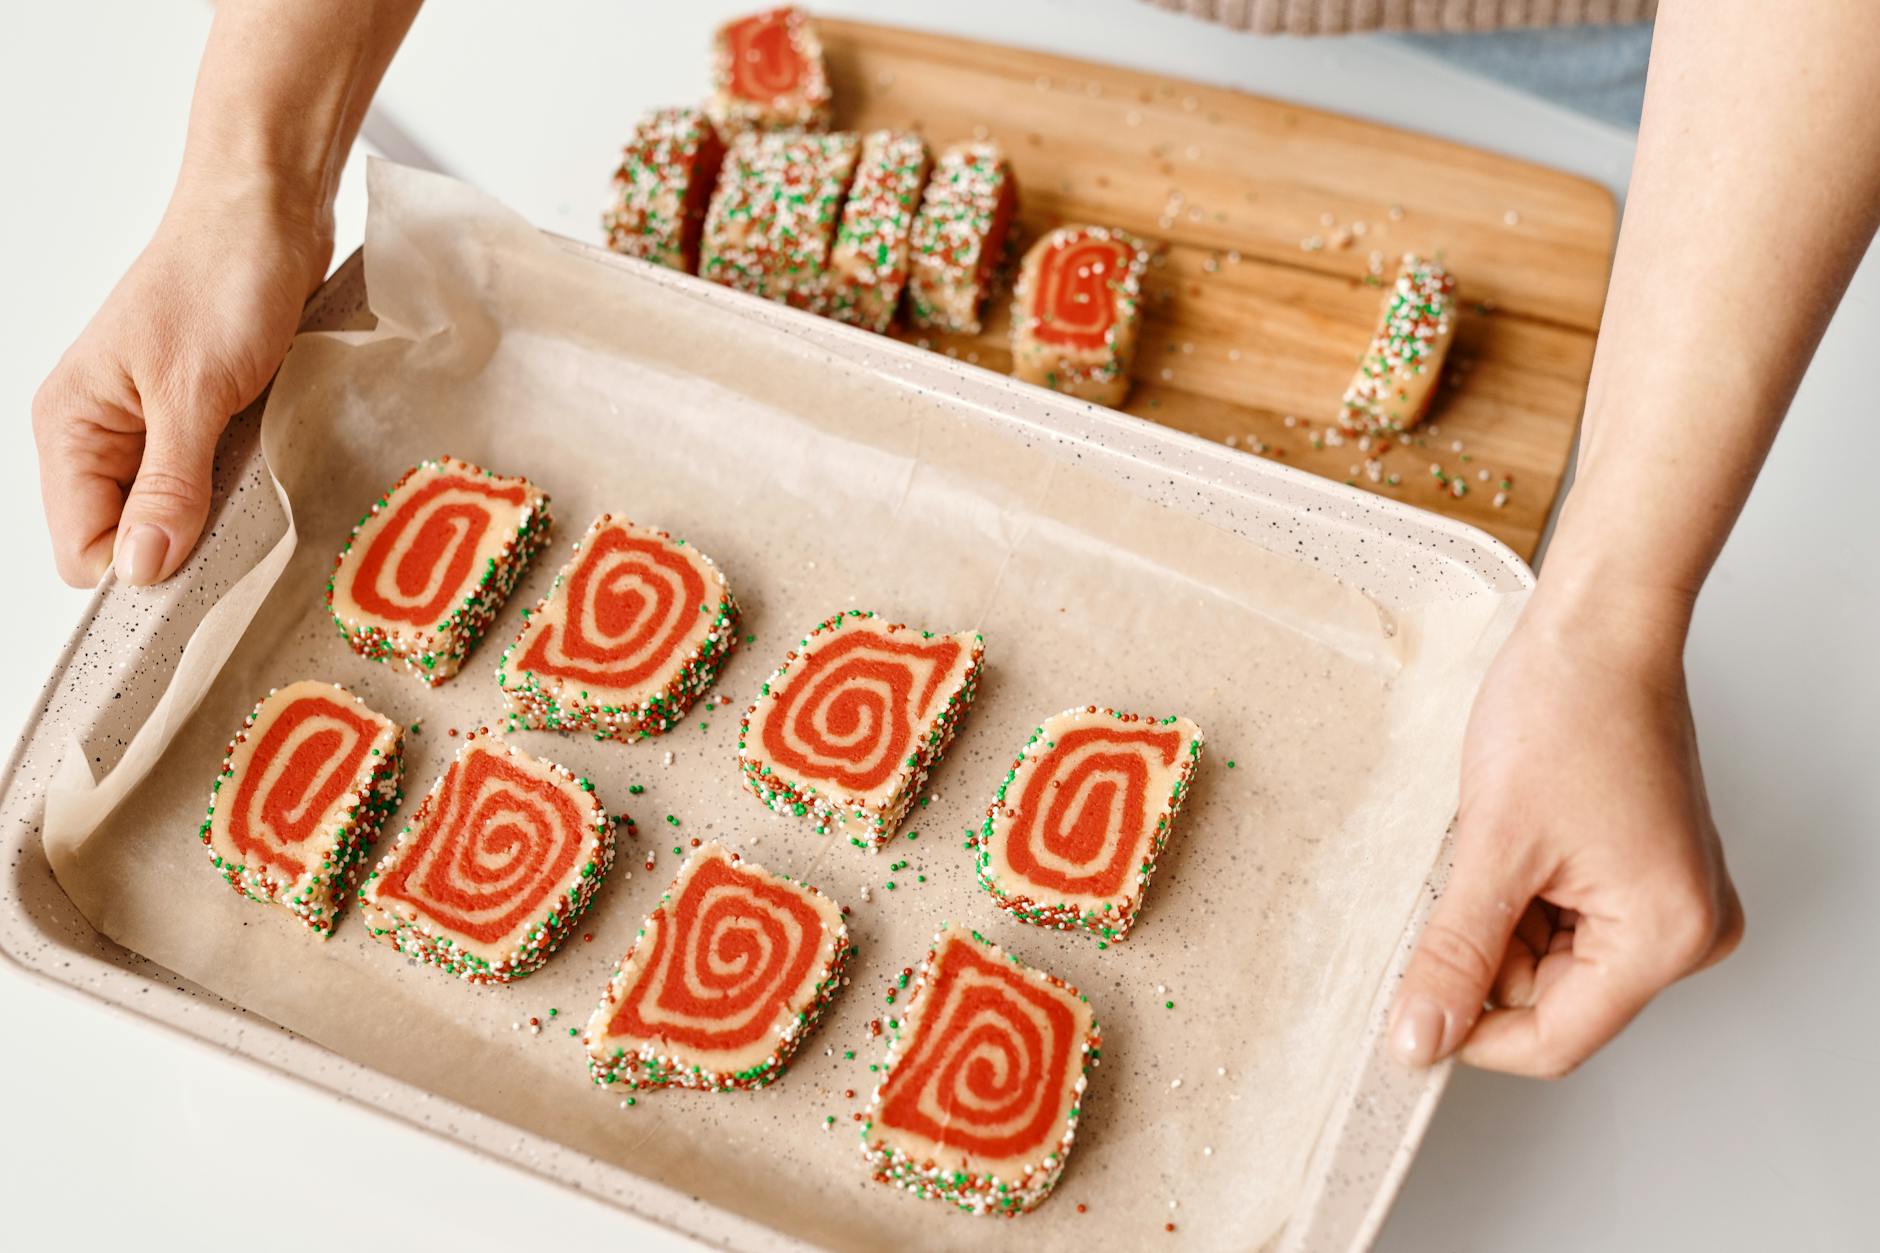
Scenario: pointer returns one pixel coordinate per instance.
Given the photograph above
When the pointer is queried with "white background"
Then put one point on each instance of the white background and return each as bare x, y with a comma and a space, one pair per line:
1737, 1114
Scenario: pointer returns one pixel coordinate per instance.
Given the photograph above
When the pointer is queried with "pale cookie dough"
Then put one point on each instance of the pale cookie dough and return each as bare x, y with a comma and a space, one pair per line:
306, 784
1072, 838
496, 867
1396, 378
959, 236
1077, 312
425, 571
728, 976
984, 1082
847, 729
636, 626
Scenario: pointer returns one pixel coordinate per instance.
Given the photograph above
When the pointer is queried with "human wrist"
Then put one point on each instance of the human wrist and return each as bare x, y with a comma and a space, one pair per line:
1611, 594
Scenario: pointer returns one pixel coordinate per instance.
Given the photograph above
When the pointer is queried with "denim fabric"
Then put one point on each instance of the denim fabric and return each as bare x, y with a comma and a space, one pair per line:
1599, 71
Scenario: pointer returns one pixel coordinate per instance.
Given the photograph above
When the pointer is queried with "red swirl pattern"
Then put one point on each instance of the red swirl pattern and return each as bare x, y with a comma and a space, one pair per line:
632, 602
1073, 296
988, 1062
490, 846
422, 556
1084, 819
849, 714
307, 759
765, 63
730, 955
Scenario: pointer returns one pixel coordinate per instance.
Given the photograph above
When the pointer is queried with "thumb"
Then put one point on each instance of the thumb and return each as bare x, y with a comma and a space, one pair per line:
1460, 951
169, 501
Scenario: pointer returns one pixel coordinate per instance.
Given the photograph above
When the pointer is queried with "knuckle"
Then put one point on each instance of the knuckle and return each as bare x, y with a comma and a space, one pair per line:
169, 492
1555, 1063
1456, 956
1688, 925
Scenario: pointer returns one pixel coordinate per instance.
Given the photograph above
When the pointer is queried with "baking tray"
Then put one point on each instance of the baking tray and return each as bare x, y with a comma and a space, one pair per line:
125, 647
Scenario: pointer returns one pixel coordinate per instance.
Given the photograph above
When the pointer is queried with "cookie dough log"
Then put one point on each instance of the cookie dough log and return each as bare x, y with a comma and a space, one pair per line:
942, 1125
664, 182
768, 74
1078, 311
1396, 378
729, 975
306, 784
635, 627
959, 236
773, 217
496, 867
1072, 838
868, 267
426, 570
848, 728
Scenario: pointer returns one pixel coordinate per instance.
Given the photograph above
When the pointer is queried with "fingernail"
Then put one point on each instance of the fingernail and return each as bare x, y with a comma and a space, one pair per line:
1418, 1033
140, 555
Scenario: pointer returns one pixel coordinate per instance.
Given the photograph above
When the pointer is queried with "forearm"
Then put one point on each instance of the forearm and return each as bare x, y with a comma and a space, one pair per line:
282, 91
1755, 192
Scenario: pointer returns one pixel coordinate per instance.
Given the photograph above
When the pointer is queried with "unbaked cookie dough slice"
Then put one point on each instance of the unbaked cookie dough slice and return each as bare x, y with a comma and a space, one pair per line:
959, 236
941, 1125
1396, 378
1078, 310
847, 729
425, 571
636, 626
726, 979
496, 867
1072, 838
664, 182
773, 217
868, 268
306, 784
768, 74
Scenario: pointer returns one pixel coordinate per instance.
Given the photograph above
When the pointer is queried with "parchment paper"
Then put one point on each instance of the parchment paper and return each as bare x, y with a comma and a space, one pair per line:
818, 484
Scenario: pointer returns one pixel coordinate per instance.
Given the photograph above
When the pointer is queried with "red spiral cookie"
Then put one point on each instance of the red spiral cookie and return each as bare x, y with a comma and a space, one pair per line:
959, 236
425, 571
767, 74
984, 1082
726, 979
849, 726
1078, 310
303, 790
636, 625
496, 867
1071, 839
661, 189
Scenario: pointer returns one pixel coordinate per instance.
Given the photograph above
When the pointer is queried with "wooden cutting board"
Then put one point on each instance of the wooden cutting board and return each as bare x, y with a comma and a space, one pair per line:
1264, 295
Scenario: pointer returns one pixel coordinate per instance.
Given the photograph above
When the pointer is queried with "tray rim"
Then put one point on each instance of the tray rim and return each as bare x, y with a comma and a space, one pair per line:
212, 1022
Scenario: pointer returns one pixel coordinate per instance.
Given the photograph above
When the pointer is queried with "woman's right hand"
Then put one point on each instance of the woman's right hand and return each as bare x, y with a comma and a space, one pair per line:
127, 423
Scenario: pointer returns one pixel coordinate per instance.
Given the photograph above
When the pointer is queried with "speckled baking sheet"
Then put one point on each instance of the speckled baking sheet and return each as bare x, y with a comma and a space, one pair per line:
826, 469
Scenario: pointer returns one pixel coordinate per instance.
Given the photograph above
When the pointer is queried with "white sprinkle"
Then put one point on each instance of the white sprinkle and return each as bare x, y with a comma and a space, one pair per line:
1481, 476
1173, 1204
1455, 445
1326, 219
515, 1026
1188, 346
1233, 441
1220, 1070
1161, 990
1396, 213
1167, 374
1233, 354
1133, 117
1511, 218
1174, 1083
669, 757
1501, 498
1207, 1150
1290, 420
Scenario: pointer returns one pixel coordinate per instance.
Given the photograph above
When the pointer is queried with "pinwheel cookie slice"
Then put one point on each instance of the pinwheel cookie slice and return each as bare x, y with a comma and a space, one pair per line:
427, 568
636, 626
303, 790
727, 977
847, 729
773, 217
498, 864
1078, 310
768, 74
959, 236
1396, 378
947, 1123
1072, 838
661, 189
868, 266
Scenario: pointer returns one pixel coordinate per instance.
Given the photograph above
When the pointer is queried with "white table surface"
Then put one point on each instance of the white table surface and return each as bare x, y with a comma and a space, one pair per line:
1735, 1115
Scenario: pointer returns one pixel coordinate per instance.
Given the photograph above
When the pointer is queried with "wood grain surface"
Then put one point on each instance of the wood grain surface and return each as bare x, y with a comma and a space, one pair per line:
1280, 228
